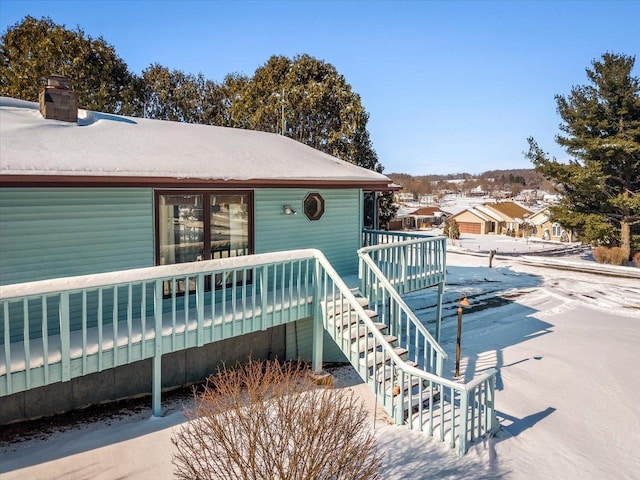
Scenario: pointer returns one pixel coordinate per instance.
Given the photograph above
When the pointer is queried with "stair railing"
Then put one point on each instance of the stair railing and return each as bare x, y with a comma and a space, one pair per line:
408, 262
457, 412
396, 314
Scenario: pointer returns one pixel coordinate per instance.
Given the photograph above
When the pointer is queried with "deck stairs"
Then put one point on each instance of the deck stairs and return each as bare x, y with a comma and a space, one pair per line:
56, 330
368, 356
392, 350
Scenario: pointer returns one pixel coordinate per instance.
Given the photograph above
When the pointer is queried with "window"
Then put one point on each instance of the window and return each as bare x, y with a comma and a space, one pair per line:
556, 230
195, 226
189, 221
314, 206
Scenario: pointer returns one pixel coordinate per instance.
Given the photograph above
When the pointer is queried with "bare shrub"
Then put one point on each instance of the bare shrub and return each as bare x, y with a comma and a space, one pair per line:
601, 254
618, 256
636, 259
268, 420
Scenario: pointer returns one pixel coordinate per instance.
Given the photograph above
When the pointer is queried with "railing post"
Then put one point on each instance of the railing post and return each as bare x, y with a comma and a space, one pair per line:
439, 311
7, 346
490, 405
200, 309
156, 384
462, 435
400, 400
318, 324
65, 336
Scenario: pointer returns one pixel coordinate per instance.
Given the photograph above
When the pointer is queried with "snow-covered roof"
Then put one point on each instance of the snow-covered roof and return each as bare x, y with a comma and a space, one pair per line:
491, 215
117, 147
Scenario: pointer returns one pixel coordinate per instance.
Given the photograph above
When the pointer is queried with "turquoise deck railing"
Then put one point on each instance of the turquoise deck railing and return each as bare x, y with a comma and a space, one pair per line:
59, 329
409, 262
420, 263
396, 314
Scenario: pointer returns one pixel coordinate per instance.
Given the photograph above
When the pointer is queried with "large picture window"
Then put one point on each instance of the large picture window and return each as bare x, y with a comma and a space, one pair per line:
195, 226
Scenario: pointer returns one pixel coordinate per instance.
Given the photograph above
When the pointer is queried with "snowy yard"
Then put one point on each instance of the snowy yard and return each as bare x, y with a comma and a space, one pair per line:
565, 344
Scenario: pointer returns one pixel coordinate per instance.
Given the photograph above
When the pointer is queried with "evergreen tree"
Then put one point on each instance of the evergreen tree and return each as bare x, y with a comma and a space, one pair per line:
33, 49
308, 100
303, 98
601, 133
177, 96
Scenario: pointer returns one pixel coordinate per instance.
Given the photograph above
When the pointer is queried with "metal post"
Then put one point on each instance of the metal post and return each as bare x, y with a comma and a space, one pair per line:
463, 303
458, 341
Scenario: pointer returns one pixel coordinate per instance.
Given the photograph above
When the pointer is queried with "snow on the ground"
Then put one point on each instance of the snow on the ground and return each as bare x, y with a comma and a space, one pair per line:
565, 345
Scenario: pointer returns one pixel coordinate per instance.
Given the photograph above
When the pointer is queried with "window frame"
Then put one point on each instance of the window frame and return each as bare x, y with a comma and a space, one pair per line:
319, 199
206, 200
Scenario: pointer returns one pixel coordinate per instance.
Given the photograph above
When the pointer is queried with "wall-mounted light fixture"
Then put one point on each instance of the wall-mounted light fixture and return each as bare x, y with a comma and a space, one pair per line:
287, 210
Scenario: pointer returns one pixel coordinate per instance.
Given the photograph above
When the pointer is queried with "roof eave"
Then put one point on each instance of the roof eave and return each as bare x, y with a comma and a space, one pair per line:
169, 182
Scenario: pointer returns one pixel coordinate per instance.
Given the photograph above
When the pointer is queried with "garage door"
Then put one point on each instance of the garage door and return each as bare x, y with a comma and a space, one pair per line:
469, 227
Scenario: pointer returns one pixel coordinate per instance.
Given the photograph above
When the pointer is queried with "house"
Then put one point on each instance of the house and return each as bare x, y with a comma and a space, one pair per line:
108, 193
512, 215
137, 255
403, 197
477, 220
425, 217
545, 229
495, 217
428, 199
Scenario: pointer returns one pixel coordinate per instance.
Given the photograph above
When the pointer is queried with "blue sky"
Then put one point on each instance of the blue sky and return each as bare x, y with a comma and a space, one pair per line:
450, 87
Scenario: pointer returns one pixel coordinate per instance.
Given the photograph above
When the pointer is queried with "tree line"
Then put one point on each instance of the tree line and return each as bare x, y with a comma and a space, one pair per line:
512, 181
301, 97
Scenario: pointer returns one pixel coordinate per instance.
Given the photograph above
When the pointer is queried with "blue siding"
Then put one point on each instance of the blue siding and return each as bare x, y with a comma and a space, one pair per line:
59, 232
336, 234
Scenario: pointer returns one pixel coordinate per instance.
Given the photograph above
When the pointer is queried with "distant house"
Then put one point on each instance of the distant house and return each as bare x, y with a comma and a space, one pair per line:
512, 215
425, 217
545, 229
478, 221
428, 199
497, 218
403, 197
412, 219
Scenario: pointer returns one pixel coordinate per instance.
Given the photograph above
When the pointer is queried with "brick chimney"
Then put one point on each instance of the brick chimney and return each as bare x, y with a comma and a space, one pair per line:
58, 101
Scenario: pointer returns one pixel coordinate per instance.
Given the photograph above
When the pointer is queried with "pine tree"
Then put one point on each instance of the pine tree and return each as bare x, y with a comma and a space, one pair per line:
601, 133
33, 49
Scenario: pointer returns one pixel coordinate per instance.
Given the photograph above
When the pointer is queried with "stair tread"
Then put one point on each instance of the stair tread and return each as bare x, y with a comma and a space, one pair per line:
415, 381
363, 331
367, 343
346, 319
384, 374
379, 357
417, 400
339, 306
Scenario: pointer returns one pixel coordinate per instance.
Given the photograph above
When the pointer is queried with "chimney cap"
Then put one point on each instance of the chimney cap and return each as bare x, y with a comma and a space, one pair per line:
58, 81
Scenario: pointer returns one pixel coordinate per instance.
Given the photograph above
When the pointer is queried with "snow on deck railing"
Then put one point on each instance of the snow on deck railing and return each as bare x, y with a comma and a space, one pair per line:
399, 318
55, 330
66, 328
455, 412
